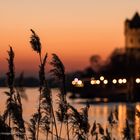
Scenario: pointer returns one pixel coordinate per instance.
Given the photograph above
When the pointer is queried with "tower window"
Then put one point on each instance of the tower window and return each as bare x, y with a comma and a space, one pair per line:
139, 40
131, 41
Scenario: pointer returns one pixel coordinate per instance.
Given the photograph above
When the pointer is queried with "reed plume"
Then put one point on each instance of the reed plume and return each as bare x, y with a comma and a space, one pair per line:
13, 105
35, 42
59, 72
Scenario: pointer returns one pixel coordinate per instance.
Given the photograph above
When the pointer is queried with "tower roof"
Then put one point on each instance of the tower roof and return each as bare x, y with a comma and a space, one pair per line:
135, 21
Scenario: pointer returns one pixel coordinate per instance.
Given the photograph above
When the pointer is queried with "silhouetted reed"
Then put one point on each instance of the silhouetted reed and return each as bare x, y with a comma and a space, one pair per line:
126, 131
112, 120
32, 126
138, 115
35, 42
36, 45
13, 105
99, 132
62, 112
79, 122
46, 107
10, 83
93, 129
43, 101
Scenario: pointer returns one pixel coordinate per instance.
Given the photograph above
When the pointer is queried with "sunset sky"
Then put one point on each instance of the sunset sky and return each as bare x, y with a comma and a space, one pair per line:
74, 29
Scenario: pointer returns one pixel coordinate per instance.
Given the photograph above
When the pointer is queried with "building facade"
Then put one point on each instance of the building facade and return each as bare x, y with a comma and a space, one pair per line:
132, 32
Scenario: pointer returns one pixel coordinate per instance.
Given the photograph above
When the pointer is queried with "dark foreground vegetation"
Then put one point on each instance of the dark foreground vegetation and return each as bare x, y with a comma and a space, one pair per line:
47, 118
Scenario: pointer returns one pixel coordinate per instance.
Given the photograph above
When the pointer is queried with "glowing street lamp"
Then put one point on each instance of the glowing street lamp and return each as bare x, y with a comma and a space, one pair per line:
105, 82
76, 79
73, 83
97, 82
79, 82
114, 81
137, 80
93, 82
120, 81
124, 81
102, 78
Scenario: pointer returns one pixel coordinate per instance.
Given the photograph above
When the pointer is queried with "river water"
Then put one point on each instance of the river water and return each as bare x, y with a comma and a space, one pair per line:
97, 112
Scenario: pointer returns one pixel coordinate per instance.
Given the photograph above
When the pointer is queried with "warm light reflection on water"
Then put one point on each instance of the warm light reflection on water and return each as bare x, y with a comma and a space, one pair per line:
98, 112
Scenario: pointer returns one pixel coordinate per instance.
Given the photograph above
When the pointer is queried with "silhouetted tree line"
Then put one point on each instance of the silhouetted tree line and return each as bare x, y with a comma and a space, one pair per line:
119, 63
34, 82
124, 64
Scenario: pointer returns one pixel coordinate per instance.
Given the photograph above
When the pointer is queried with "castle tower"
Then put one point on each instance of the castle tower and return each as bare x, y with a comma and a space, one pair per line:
132, 32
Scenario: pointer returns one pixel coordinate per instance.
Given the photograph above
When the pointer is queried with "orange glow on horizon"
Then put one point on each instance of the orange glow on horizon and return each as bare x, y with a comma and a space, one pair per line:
74, 30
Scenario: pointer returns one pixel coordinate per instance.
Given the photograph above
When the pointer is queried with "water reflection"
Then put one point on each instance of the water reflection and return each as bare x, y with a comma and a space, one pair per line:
98, 112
